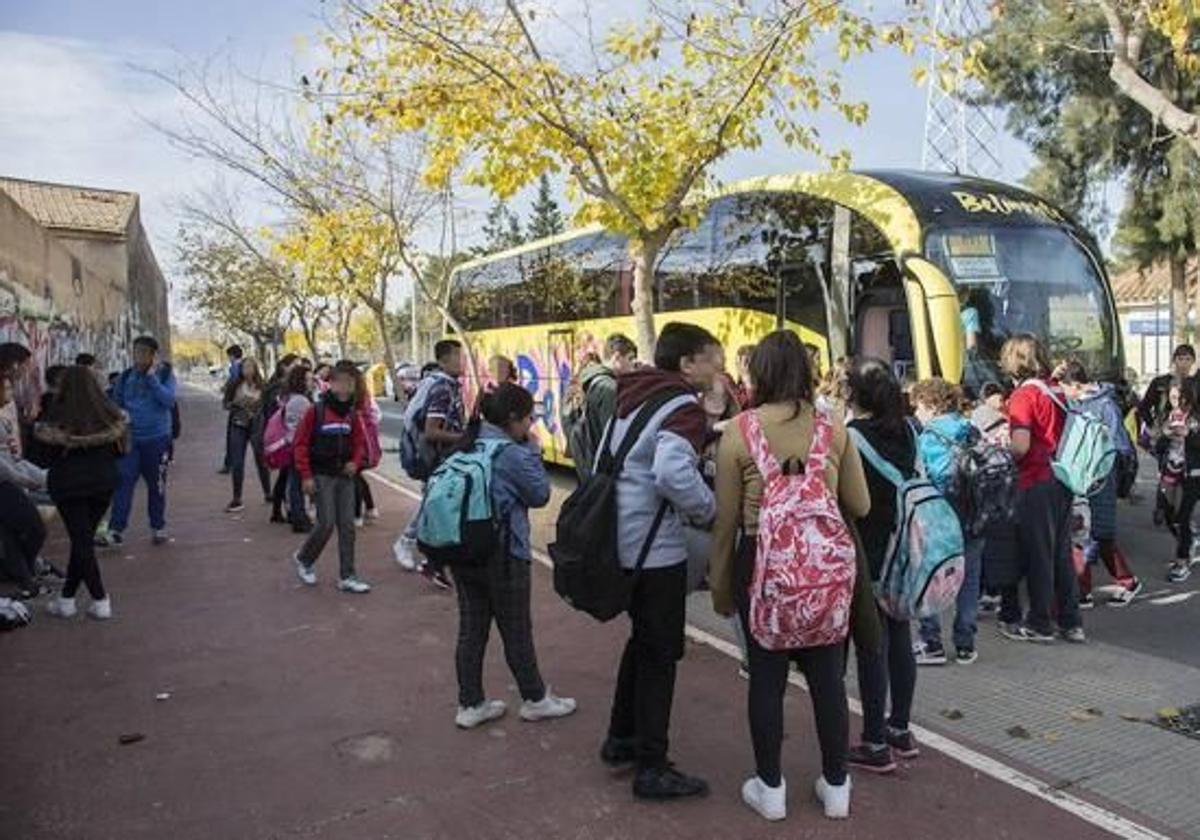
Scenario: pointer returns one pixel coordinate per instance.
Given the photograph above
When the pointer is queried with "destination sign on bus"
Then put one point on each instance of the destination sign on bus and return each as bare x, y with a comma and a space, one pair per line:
973, 257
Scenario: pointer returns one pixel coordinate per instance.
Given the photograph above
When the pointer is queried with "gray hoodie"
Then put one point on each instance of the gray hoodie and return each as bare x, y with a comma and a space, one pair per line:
662, 466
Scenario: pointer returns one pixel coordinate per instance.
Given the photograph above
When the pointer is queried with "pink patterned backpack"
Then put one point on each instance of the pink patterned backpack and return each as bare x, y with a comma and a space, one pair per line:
804, 573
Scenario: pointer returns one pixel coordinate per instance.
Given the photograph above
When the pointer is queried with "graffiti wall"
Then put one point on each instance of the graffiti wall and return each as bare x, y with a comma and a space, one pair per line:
55, 340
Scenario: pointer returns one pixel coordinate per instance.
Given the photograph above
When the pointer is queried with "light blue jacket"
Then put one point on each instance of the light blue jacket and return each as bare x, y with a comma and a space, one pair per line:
662, 466
519, 482
147, 400
938, 456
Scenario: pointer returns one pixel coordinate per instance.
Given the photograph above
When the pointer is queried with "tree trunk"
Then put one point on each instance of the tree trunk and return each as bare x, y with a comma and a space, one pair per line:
644, 251
1179, 299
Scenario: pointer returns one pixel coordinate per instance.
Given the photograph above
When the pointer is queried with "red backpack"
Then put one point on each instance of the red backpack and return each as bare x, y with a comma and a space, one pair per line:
804, 573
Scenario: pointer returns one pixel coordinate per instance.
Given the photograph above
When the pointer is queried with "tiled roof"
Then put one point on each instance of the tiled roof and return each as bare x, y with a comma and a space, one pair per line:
65, 207
1153, 283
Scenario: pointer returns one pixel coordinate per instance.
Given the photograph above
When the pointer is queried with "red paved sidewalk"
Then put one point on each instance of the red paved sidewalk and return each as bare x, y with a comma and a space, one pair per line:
299, 712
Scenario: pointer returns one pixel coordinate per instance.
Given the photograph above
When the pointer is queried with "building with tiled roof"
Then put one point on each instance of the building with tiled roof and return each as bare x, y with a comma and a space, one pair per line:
77, 209
1143, 298
77, 272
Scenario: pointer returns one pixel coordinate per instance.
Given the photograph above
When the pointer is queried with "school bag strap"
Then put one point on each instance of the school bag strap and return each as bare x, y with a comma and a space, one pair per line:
882, 466
611, 464
750, 425
1048, 391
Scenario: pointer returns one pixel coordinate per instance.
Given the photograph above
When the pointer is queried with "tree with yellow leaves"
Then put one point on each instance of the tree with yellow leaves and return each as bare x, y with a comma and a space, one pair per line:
635, 113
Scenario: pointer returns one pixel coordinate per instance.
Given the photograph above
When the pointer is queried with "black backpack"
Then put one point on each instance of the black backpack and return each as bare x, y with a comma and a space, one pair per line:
983, 488
587, 566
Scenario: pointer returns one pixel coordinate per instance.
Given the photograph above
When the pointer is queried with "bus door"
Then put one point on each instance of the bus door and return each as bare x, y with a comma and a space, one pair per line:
560, 369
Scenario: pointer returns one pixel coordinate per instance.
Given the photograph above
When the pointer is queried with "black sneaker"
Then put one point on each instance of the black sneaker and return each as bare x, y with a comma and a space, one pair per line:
302, 526
278, 517
667, 783
1086, 602
235, 506
873, 759
437, 577
902, 743
619, 752
965, 656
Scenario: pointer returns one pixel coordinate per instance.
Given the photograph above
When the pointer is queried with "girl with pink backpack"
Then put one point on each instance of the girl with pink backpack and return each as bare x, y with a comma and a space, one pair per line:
784, 561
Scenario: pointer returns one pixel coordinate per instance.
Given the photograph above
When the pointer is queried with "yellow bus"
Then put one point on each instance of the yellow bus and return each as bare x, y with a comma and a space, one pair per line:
930, 272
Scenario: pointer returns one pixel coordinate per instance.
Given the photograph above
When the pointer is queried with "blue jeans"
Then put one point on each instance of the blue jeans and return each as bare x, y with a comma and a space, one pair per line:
966, 607
147, 460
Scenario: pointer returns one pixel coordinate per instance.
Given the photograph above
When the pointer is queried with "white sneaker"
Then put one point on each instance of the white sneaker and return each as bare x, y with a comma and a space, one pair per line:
353, 584
359, 522
770, 803
836, 799
61, 607
546, 708
372, 513
160, 537
101, 610
306, 574
405, 551
488, 710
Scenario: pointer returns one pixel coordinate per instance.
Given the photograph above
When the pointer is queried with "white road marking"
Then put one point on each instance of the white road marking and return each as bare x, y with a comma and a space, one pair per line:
1177, 598
988, 766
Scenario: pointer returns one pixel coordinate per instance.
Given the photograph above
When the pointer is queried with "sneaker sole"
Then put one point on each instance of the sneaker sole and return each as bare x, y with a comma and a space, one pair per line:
878, 770
539, 717
931, 663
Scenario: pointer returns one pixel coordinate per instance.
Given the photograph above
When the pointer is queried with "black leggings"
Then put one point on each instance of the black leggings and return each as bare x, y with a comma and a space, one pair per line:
823, 669
362, 495
892, 666
1183, 519
81, 516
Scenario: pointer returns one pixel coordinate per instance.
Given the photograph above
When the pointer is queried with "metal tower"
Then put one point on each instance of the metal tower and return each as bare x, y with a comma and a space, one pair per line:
959, 136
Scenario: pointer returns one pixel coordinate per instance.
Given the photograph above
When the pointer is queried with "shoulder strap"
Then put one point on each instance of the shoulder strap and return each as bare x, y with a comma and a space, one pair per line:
881, 464
1048, 391
640, 421
818, 450
654, 526
750, 425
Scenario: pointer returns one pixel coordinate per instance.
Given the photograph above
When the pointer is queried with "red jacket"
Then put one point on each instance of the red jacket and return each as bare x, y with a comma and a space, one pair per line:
306, 432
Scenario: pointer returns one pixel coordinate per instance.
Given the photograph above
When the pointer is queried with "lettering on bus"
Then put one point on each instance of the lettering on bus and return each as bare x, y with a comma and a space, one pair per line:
1000, 205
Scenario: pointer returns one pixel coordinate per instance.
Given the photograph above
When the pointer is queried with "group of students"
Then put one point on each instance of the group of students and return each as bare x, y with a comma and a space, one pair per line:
703, 460
319, 426
1168, 418
81, 446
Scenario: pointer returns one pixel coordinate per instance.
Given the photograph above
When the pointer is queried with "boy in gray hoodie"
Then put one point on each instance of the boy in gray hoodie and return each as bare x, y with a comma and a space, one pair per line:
659, 490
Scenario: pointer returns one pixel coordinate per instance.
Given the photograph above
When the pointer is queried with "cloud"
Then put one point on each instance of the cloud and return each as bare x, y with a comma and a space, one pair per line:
76, 111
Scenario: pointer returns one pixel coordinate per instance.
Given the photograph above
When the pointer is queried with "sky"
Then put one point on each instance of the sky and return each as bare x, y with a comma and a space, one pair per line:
75, 105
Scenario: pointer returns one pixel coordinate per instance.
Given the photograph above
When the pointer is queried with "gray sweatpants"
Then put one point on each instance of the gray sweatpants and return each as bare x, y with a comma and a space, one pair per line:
335, 508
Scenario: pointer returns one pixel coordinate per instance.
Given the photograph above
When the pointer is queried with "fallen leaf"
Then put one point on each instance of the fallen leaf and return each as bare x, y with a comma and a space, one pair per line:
1052, 737
952, 714
1085, 715
1018, 732
1132, 718
1168, 713
130, 738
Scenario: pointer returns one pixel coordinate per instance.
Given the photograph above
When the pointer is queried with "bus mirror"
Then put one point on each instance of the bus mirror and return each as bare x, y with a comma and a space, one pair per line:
944, 318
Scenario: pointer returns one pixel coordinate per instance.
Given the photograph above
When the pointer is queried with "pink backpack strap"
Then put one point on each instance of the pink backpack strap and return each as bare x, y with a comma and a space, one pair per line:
818, 450
751, 427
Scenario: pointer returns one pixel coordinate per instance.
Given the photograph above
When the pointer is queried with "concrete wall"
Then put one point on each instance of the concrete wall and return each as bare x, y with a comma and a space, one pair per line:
63, 295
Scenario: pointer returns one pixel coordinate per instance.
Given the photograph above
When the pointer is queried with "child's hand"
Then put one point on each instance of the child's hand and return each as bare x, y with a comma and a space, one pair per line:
308, 487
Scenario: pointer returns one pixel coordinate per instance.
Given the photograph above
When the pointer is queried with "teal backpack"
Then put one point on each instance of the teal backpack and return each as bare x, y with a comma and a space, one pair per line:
924, 566
456, 525
1086, 454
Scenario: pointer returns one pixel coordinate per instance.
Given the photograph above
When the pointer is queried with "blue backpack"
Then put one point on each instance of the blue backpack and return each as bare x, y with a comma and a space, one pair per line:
1086, 453
924, 566
457, 525
416, 456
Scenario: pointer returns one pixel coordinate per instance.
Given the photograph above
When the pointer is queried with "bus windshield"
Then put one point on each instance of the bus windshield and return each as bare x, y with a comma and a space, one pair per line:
1034, 279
